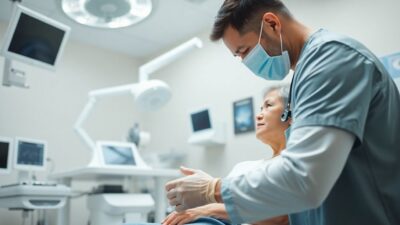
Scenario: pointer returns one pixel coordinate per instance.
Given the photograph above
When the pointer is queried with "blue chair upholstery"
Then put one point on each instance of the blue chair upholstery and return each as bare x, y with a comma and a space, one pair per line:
200, 221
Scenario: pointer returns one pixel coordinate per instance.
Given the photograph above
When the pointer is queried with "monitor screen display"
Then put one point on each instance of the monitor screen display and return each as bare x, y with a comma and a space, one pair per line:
118, 155
4, 154
200, 120
30, 153
36, 39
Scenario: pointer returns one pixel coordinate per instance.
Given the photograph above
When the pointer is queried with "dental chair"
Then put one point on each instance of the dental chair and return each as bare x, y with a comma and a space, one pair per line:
200, 221
119, 208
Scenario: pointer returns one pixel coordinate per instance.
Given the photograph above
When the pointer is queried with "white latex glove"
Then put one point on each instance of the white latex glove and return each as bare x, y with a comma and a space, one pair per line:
195, 189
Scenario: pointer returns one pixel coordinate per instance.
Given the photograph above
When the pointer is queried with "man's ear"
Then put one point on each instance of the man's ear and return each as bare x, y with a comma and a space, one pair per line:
272, 22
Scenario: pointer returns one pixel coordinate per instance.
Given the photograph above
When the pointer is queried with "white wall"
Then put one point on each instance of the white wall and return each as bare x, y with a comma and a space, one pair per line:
374, 23
212, 77
50, 107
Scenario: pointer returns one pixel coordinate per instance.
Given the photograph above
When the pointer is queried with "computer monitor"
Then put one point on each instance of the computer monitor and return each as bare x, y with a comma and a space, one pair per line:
34, 39
5, 155
30, 154
119, 154
392, 65
200, 120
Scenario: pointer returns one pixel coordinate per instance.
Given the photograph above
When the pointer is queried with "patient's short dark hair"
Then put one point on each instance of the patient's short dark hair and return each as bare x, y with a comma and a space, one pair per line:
244, 15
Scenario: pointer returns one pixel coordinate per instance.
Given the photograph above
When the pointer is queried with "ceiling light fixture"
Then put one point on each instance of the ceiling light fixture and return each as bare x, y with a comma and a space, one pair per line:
107, 13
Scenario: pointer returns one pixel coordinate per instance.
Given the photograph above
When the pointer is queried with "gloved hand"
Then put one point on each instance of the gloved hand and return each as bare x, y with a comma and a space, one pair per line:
195, 189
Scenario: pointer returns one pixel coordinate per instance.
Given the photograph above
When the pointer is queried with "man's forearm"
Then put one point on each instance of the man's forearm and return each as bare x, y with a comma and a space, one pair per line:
299, 179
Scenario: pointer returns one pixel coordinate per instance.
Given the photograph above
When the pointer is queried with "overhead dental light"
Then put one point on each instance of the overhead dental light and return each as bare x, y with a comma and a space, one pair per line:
149, 94
107, 13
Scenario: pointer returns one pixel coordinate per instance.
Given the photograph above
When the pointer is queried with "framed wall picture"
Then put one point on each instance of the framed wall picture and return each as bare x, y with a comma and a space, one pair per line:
243, 116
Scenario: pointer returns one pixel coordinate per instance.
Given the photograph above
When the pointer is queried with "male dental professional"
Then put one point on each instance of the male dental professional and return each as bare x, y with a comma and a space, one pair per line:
341, 165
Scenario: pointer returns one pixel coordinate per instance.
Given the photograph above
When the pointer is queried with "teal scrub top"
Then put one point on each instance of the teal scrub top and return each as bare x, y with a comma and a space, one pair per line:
339, 83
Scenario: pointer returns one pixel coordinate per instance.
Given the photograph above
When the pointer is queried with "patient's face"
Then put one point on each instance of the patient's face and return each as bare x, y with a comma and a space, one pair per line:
270, 128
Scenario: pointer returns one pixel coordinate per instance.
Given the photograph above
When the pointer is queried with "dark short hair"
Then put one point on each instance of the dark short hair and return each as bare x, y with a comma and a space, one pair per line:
244, 15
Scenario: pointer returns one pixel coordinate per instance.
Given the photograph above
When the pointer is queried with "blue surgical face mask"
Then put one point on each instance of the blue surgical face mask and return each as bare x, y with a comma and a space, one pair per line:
265, 66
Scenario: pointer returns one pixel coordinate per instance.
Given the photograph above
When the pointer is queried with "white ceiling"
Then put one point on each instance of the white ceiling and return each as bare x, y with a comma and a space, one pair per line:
170, 23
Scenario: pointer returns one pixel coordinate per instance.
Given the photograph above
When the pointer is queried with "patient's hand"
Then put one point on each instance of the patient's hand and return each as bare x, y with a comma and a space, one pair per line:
279, 220
216, 210
180, 218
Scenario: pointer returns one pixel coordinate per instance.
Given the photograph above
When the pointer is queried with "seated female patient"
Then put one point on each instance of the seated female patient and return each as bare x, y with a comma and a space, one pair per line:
270, 131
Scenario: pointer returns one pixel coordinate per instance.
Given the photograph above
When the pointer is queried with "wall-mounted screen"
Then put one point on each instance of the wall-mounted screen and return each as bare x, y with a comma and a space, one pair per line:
200, 120
35, 39
392, 64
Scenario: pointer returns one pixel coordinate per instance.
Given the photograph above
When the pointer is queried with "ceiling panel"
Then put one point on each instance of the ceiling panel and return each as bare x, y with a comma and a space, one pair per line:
171, 22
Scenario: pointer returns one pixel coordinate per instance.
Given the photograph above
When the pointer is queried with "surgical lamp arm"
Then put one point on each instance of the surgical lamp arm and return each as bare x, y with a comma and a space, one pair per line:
93, 96
144, 72
167, 58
